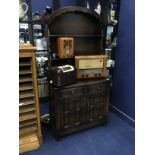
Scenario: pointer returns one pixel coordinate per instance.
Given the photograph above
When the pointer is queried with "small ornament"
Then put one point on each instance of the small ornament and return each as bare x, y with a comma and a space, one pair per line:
88, 6
98, 8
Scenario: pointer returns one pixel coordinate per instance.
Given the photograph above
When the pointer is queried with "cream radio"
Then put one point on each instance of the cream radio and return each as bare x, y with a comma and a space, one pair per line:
91, 66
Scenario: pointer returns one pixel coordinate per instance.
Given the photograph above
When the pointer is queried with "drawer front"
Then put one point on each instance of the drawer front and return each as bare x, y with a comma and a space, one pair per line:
98, 88
70, 93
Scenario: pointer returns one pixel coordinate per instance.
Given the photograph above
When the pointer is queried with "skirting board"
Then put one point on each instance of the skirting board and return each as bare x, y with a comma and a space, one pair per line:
122, 115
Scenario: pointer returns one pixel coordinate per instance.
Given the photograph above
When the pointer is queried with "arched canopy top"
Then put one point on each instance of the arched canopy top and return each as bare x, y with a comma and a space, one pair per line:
75, 20
74, 9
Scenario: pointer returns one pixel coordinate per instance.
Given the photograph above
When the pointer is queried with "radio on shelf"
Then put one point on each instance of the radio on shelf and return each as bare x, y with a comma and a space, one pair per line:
63, 75
65, 47
91, 66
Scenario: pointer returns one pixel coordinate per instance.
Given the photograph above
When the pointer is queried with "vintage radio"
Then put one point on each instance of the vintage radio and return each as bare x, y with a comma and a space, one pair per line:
65, 47
91, 66
62, 75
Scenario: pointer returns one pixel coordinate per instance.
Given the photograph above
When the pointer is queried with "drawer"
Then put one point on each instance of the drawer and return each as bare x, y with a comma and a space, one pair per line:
97, 88
26, 108
28, 139
68, 93
28, 129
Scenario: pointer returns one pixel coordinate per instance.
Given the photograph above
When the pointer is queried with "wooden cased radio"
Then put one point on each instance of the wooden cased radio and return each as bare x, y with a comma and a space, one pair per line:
93, 66
65, 47
62, 75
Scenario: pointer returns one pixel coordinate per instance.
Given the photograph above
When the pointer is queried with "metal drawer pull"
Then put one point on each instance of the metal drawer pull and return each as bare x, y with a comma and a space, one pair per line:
77, 123
77, 109
66, 126
100, 117
66, 112
90, 119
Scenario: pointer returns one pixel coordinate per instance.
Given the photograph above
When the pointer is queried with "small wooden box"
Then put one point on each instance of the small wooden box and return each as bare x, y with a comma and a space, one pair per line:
65, 47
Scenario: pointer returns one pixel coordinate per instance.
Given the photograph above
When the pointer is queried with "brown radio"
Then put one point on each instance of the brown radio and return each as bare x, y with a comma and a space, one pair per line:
91, 66
65, 47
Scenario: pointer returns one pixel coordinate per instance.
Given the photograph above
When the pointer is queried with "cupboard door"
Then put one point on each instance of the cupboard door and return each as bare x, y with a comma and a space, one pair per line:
95, 107
71, 111
96, 102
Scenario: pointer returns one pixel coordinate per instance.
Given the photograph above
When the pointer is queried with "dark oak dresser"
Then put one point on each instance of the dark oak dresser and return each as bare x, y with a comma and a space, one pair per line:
83, 104
79, 106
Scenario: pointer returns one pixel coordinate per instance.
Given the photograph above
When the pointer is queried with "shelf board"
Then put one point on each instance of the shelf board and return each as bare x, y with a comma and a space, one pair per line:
41, 50
43, 53
24, 64
33, 21
25, 80
75, 35
26, 102
22, 124
28, 117
23, 72
26, 110
26, 95
62, 59
25, 87
27, 130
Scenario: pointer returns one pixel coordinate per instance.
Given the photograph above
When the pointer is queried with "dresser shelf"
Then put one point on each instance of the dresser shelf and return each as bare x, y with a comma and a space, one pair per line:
25, 79
75, 35
28, 117
27, 123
